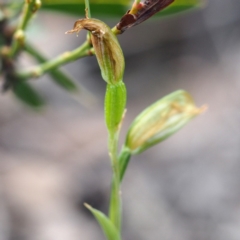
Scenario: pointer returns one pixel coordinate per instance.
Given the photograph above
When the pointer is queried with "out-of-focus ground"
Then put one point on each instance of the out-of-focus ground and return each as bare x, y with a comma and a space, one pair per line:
186, 188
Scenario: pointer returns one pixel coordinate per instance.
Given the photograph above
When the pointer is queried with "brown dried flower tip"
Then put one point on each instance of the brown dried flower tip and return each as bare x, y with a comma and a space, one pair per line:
141, 12
107, 49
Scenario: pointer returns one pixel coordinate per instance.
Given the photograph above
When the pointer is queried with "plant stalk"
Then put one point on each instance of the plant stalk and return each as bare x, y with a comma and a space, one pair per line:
29, 9
115, 207
56, 74
52, 64
87, 9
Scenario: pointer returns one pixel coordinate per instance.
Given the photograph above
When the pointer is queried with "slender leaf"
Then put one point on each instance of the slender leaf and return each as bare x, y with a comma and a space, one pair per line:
124, 159
27, 94
63, 80
110, 9
179, 6
113, 8
107, 226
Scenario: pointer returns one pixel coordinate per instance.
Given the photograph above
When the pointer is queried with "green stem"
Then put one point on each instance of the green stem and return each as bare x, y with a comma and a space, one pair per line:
88, 15
52, 64
57, 75
115, 102
29, 9
87, 7
63, 79
115, 208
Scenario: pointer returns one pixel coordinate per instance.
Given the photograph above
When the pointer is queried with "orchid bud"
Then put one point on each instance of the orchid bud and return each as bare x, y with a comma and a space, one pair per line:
141, 12
107, 49
161, 120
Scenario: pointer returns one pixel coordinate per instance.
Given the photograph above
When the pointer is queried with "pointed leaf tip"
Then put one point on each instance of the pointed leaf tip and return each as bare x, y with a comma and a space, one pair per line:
107, 226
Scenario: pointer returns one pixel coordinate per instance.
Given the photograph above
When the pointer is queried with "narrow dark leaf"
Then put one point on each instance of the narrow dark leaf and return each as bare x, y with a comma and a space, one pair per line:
27, 94
63, 80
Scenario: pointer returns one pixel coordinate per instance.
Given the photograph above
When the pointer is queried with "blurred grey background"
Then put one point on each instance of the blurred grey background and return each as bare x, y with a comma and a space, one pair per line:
186, 188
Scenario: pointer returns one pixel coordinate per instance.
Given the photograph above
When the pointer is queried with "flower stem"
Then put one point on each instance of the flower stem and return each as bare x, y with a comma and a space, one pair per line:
115, 207
52, 64
62, 78
29, 9
87, 8
57, 75
115, 102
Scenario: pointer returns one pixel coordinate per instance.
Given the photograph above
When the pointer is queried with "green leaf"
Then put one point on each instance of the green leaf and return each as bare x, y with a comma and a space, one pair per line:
179, 6
63, 80
124, 159
113, 8
27, 94
107, 226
